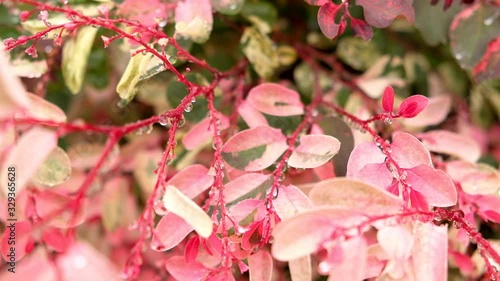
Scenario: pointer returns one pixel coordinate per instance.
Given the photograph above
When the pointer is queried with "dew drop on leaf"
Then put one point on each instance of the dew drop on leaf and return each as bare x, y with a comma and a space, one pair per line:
189, 107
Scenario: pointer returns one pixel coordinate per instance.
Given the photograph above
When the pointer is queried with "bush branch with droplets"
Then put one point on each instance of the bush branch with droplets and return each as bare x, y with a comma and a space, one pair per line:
218, 138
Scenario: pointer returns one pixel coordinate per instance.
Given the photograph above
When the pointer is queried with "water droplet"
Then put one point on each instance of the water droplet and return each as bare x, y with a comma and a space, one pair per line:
457, 224
491, 19
324, 268
189, 107
269, 205
48, 24
134, 225
164, 121
65, 2
275, 193
314, 113
94, 25
240, 229
388, 120
148, 129
193, 100
182, 121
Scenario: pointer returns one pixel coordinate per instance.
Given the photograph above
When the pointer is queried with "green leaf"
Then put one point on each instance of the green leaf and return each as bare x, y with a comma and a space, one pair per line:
261, 14
471, 31
75, 56
432, 22
485, 102
260, 51
127, 87
55, 169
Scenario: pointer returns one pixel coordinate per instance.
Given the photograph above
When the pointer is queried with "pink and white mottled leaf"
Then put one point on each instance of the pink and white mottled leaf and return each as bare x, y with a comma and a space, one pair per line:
193, 19
202, 132
353, 261
248, 207
433, 114
26, 157
388, 99
397, 243
314, 151
450, 143
260, 266
180, 204
354, 195
275, 99
430, 252
475, 179
251, 116
291, 201
169, 232
435, 186
300, 269
293, 240
182, 270
362, 155
192, 180
326, 19
254, 149
381, 13
408, 151
412, 106
248, 183
19, 233
82, 262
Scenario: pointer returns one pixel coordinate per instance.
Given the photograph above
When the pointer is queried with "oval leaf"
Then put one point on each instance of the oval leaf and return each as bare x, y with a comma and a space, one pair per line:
412, 106
44, 110
388, 99
435, 186
314, 151
275, 99
179, 204
408, 151
326, 19
381, 13
55, 170
261, 266
254, 149
450, 143
169, 232
356, 195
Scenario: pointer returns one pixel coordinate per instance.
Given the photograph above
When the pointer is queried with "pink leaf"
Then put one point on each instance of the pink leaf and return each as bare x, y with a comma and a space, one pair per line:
54, 238
376, 174
245, 184
326, 19
291, 201
317, 2
44, 110
412, 106
381, 13
193, 19
261, 266
293, 240
362, 155
251, 116
143, 11
247, 207
354, 195
25, 157
202, 132
450, 143
314, 151
475, 179
169, 232
192, 180
435, 186
275, 99
82, 262
182, 270
388, 99
353, 261
254, 149
16, 240
191, 250
433, 114
430, 252
361, 29
49, 203
408, 151
13, 96
397, 243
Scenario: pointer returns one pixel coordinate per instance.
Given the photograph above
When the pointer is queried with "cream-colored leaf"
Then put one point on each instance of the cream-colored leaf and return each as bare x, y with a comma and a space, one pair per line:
260, 51
75, 56
56, 168
29, 69
12, 93
300, 269
44, 110
179, 204
127, 86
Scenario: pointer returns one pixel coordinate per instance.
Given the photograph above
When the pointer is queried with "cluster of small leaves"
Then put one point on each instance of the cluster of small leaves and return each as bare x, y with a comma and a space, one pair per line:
219, 139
